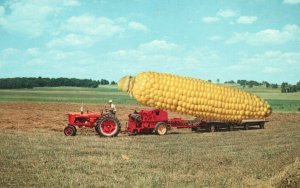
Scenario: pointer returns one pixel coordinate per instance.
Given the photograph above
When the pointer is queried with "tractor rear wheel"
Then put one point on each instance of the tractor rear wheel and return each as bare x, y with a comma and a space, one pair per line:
161, 128
108, 126
70, 130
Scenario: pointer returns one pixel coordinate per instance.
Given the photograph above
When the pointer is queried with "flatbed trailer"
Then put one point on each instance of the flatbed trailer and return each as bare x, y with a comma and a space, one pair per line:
213, 126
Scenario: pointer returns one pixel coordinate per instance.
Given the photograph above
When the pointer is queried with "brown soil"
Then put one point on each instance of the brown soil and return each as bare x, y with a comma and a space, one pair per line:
50, 116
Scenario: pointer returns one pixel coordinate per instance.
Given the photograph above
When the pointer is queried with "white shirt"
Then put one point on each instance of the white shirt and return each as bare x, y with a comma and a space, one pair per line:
113, 107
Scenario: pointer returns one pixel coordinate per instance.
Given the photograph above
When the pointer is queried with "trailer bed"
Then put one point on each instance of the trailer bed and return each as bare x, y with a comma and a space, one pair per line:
213, 126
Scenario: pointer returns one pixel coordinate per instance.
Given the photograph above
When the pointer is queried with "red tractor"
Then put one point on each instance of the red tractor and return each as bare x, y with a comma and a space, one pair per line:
105, 124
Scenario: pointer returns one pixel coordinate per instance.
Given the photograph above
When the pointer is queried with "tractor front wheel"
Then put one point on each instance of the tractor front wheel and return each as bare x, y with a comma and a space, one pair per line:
108, 126
70, 130
161, 128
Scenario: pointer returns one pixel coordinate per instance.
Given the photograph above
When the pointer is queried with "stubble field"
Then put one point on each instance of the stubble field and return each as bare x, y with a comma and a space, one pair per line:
35, 152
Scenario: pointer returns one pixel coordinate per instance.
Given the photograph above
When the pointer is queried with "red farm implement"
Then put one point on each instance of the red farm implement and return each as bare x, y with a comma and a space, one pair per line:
148, 121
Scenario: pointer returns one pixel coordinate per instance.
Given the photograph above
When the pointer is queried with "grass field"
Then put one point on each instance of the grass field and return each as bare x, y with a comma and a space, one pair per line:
35, 153
224, 159
67, 95
280, 102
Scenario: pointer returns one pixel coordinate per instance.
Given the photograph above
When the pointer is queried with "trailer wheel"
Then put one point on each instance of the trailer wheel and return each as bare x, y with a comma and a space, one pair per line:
108, 126
262, 125
161, 128
70, 130
230, 128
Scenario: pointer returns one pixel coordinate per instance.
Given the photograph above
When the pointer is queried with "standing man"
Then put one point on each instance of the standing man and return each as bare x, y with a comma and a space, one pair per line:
112, 108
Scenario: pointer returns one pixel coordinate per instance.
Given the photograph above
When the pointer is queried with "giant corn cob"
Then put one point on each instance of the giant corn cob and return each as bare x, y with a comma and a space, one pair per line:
194, 97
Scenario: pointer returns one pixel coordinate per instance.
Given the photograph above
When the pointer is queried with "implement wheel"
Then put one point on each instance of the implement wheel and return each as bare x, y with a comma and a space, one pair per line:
161, 128
70, 130
230, 128
262, 125
108, 126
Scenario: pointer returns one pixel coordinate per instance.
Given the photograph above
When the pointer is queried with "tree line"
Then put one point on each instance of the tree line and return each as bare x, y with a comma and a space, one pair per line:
285, 87
31, 82
288, 88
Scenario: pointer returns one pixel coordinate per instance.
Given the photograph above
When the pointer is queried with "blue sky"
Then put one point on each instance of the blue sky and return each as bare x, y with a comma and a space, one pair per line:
229, 40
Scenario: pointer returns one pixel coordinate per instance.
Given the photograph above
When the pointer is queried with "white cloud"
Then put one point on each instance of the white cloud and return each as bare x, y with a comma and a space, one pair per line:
156, 50
32, 52
195, 62
202, 56
31, 17
49, 63
85, 30
246, 19
221, 14
270, 60
238, 37
215, 38
227, 13
270, 70
137, 26
2, 11
71, 40
209, 19
71, 3
278, 66
9, 52
267, 36
90, 25
292, 2
274, 58
158, 45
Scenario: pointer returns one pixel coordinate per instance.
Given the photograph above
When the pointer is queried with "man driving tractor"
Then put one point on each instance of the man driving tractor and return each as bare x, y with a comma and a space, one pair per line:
112, 108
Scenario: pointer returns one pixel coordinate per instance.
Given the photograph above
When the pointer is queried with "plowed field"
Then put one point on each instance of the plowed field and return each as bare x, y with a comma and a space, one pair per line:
27, 116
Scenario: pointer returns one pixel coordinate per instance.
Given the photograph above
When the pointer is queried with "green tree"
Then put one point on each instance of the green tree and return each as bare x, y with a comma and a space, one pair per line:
274, 86
267, 84
298, 86
242, 83
285, 87
229, 82
104, 82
